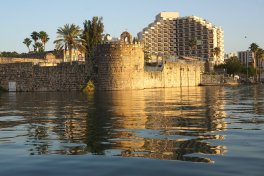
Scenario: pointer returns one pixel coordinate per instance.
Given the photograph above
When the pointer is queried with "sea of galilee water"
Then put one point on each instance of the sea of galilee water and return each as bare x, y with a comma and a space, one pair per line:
179, 131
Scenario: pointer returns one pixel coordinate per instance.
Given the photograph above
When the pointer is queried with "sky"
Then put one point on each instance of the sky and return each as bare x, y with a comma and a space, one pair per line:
242, 20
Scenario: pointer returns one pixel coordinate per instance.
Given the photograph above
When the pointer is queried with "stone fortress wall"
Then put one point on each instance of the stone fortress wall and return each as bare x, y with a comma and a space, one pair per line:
5, 60
118, 66
174, 74
30, 77
48, 60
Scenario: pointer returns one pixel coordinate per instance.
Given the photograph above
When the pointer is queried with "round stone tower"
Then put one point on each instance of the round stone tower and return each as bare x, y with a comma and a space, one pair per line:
120, 65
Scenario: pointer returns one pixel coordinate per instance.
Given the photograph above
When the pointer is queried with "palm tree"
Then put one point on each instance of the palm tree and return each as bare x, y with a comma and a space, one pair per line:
35, 37
68, 38
192, 44
217, 52
44, 38
260, 58
27, 42
254, 48
38, 46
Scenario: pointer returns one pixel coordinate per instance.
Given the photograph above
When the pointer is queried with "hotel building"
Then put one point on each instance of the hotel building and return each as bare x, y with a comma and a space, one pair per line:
170, 35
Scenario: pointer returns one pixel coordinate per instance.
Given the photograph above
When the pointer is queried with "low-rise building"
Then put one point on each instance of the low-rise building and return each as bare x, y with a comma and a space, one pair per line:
76, 56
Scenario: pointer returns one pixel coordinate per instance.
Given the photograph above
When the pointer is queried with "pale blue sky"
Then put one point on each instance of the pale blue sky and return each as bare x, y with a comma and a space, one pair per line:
238, 18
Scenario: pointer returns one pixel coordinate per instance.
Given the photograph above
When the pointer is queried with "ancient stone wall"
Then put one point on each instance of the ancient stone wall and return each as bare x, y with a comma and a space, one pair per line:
21, 73
211, 80
49, 61
153, 79
120, 66
30, 77
6, 60
185, 74
174, 74
218, 80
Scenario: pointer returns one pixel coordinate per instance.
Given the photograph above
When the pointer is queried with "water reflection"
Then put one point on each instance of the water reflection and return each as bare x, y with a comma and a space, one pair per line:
169, 124
247, 105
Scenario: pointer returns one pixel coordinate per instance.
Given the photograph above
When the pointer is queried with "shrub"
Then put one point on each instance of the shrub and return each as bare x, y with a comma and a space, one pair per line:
89, 86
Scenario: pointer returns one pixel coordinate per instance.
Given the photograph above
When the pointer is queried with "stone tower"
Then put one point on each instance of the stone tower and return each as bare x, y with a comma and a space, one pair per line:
120, 65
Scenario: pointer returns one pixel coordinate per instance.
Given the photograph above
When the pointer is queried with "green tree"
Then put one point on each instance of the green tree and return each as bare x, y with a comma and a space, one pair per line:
192, 44
260, 58
92, 34
39, 47
9, 54
44, 37
233, 66
250, 70
259, 52
217, 52
27, 42
68, 38
35, 36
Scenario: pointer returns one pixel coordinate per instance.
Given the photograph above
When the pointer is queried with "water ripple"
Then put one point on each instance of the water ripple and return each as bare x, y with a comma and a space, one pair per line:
190, 124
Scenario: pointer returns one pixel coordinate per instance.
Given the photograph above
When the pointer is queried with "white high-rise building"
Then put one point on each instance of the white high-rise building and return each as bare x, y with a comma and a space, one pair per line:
170, 35
230, 55
245, 57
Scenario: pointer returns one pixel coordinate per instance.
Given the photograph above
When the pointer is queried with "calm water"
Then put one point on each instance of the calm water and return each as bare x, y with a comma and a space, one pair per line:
201, 131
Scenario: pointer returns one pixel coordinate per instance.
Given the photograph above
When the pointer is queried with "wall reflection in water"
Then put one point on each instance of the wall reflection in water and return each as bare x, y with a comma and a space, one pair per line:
170, 124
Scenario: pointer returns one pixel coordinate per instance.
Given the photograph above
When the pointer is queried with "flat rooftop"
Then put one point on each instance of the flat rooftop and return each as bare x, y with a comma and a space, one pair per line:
168, 15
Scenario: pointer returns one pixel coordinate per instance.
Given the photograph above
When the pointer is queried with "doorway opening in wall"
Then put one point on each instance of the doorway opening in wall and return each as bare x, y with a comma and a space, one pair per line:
12, 86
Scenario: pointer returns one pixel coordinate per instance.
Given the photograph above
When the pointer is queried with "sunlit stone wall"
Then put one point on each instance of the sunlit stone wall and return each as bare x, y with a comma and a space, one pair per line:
30, 77
6, 60
120, 66
174, 74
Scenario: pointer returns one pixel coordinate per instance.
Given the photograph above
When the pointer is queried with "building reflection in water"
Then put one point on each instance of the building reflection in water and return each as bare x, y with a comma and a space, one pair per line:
170, 124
